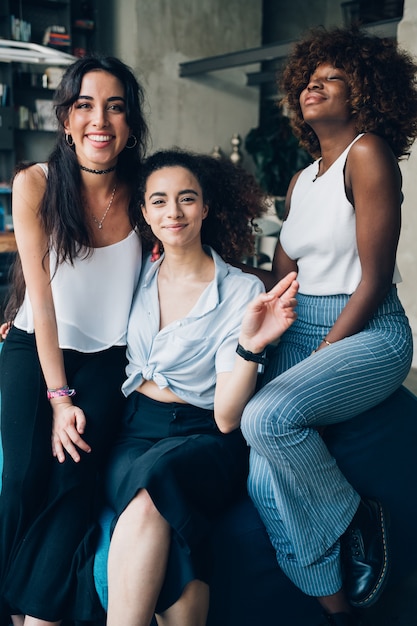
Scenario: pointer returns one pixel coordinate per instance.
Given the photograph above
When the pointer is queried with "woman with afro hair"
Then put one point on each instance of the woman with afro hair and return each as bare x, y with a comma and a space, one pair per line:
352, 99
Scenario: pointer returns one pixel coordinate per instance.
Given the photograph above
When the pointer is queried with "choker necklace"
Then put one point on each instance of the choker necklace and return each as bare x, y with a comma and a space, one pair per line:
318, 171
87, 169
317, 175
100, 222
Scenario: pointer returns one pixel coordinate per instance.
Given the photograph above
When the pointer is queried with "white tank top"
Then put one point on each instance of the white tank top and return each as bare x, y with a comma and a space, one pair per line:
320, 232
92, 298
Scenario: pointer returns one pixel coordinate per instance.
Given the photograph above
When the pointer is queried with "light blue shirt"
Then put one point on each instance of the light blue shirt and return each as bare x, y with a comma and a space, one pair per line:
187, 355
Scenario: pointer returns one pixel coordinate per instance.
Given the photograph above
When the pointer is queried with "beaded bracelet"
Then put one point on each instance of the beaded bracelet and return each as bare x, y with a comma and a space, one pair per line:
60, 392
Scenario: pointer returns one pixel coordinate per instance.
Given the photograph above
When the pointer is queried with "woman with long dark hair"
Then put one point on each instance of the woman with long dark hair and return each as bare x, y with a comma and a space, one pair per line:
62, 364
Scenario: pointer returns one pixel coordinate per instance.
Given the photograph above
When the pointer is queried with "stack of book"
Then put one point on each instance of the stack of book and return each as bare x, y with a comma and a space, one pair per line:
57, 37
83, 24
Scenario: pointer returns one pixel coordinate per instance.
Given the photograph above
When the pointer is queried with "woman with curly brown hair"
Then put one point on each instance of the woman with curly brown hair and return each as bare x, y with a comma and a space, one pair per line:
180, 458
353, 101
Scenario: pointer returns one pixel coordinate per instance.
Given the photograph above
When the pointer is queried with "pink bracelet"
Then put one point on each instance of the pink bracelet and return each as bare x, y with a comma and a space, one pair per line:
60, 392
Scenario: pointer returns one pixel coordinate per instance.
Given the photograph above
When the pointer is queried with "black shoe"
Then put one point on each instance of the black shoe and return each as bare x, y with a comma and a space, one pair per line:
341, 619
365, 554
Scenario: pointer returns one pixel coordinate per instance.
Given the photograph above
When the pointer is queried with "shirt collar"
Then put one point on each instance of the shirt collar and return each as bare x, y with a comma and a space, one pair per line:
210, 298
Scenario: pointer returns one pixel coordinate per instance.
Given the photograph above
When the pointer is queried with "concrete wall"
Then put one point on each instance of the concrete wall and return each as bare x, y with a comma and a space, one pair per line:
154, 36
407, 253
288, 20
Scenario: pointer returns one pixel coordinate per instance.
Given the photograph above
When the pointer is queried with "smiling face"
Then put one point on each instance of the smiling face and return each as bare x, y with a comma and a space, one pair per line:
326, 97
174, 206
97, 120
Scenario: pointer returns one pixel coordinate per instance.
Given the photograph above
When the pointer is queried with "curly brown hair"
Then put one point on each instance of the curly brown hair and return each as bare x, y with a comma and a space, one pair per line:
381, 79
233, 197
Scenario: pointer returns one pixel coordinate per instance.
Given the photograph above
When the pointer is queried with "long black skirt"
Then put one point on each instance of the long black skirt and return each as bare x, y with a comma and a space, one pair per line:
47, 509
191, 471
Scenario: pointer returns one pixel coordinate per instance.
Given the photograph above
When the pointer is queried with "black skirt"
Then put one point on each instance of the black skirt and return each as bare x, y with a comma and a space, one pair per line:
191, 471
47, 509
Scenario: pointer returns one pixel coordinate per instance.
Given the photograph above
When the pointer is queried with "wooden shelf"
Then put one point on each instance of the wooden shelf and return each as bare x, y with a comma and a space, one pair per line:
7, 242
23, 68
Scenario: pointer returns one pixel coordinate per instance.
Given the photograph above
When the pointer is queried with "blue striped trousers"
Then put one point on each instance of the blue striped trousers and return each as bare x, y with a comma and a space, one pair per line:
303, 498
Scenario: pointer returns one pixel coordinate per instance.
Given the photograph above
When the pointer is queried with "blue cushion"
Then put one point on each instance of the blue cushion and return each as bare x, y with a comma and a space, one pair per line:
100, 560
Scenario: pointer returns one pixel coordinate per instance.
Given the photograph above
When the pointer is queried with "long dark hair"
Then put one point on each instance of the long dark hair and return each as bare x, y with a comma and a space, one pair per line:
61, 209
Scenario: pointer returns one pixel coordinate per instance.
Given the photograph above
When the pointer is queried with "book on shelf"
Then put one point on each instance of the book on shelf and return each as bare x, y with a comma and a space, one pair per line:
20, 29
4, 95
84, 24
56, 36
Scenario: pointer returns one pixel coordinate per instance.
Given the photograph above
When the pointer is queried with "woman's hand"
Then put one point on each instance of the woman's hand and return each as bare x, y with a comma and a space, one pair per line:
68, 425
4, 330
266, 318
270, 315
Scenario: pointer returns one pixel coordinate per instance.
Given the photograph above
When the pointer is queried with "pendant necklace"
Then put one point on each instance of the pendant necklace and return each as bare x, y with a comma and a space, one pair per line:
100, 222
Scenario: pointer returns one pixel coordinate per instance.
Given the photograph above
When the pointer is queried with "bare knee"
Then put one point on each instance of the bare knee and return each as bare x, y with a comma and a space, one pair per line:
140, 512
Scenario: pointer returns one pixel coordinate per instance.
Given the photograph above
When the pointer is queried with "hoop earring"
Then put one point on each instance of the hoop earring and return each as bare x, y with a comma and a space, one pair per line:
135, 141
69, 139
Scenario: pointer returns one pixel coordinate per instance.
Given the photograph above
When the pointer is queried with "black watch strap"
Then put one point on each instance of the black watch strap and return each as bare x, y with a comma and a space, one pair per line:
258, 357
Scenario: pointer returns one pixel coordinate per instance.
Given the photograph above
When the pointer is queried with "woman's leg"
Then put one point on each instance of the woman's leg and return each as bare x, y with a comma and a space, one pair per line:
137, 562
175, 457
322, 579
314, 500
319, 579
25, 434
37, 583
21, 620
33, 621
304, 500
190, 610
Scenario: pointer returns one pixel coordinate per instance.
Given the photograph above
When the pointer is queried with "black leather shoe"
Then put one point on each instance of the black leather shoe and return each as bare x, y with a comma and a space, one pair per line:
365, 554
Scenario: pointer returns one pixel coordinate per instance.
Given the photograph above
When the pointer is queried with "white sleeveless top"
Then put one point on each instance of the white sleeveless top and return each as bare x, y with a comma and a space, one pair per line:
92, 298
320, 232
